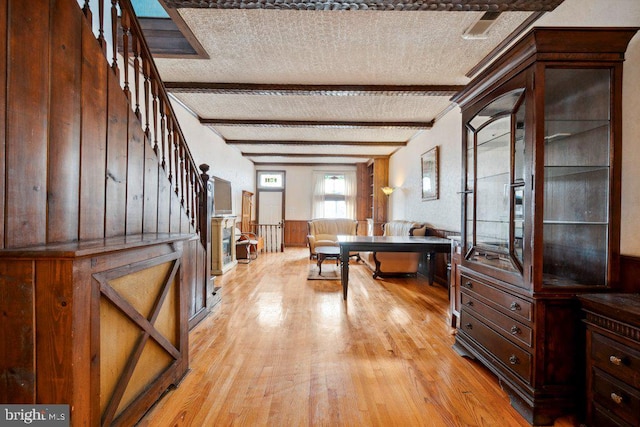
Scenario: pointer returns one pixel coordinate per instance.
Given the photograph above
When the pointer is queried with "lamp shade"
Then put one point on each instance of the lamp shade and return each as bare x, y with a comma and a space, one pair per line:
387, 190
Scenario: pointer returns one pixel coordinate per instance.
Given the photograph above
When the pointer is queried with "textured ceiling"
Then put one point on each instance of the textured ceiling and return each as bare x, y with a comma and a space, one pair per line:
271, 46
350, 52
358, 108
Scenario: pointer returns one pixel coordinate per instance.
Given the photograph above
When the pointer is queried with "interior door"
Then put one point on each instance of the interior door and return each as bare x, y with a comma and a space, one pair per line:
247, 208
271, 219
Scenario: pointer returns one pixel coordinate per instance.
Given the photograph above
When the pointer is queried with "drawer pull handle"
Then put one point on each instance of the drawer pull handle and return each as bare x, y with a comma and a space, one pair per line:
470, 303
515, 330
514, 360
615, 360
514, 306
616, 398
469, 326
469, 285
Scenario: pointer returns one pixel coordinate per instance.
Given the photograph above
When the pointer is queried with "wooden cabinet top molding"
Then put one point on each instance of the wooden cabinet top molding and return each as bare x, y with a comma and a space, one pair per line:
87, 248
620, 307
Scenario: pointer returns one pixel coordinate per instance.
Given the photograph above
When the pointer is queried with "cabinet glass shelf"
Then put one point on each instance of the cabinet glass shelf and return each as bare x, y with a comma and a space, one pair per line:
551, 172
493, 141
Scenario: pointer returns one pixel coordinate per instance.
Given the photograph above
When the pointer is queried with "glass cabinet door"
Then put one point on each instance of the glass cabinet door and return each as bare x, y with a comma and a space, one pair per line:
577, 176
494, 183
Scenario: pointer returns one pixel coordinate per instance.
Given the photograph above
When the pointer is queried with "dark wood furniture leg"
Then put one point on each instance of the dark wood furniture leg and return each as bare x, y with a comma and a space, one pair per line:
320, 259
432, 267
344, 258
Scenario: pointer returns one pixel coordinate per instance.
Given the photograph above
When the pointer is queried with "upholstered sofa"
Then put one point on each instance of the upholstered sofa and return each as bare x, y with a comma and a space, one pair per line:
325, 232
396, 263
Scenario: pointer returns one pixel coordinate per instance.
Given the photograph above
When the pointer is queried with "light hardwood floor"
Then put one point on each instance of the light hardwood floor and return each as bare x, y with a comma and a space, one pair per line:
281, 350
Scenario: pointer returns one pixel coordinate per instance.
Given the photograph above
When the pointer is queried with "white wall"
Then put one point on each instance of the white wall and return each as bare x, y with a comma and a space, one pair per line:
445, 212
299, 188
630, 227
405, 174
225, 161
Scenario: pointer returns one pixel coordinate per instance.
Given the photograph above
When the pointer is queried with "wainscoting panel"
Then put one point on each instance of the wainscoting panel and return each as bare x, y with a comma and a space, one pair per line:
295, 233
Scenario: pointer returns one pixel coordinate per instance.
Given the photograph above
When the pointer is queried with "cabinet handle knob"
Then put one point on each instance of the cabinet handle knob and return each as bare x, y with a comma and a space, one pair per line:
515, 330
470, 303
469, 326
616, 398
514, 360
615, 360
514, 306
469, 285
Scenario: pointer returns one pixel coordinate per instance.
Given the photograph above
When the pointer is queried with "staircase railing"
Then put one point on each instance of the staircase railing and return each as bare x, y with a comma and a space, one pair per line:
119, 33
271, 234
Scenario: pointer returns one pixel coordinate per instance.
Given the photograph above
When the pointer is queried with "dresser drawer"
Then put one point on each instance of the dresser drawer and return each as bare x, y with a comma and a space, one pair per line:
616, 396
602, 417
508, 327
513, 357
617, 359
519, 307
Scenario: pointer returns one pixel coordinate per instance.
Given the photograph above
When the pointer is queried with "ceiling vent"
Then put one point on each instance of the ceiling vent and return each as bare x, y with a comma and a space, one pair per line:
480, 28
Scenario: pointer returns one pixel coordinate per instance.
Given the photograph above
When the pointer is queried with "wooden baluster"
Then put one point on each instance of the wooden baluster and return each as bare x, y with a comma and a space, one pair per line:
205, 212
170, 132
176, 156
176, 163
86, 9
124, 23
170, 143
154, 93
182, 175
187, 187
192, 195
170, 150
114, 36
147, 91
136, 72
172, 163
101, 39
192, 186
162, 133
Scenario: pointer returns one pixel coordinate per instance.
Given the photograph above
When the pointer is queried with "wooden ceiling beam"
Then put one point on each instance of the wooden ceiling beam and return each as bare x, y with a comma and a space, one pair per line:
271, 164
316, 123
314, 143
312, 90
364, 156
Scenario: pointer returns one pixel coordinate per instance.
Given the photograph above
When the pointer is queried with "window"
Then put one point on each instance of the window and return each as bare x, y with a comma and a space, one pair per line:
335, 205
334, 195
270, 180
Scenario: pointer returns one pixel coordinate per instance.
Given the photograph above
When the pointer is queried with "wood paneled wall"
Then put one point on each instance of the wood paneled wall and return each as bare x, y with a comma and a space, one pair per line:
74, 161
295, 233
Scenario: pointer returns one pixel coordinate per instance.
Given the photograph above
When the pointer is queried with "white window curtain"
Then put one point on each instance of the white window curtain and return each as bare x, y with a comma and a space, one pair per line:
350, 191
317, 202
318, 197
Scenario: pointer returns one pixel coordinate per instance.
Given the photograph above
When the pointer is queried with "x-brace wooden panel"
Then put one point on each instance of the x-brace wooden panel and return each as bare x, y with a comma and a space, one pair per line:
145, 324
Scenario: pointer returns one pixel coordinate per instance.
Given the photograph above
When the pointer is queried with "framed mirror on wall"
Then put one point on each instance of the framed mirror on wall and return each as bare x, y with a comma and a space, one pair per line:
430, 174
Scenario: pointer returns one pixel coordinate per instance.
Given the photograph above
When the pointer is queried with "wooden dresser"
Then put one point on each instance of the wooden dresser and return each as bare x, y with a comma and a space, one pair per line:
613, 359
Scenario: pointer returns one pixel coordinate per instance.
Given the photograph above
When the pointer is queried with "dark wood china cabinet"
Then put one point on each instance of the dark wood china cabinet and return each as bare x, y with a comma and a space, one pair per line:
540, 209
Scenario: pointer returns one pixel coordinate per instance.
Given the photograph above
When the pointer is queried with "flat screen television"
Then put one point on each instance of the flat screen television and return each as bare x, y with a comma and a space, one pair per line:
222, 197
